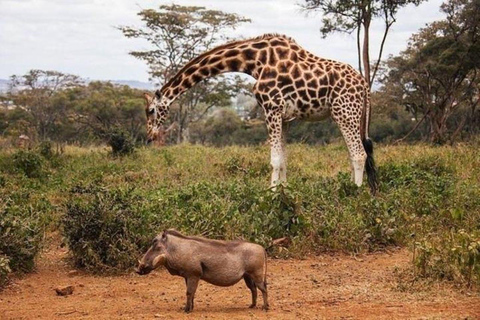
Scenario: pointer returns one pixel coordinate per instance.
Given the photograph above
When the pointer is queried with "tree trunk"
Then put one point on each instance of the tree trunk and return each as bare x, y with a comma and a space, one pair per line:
365, 54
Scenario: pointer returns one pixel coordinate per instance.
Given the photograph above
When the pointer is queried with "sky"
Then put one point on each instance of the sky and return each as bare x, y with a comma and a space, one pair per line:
79, 36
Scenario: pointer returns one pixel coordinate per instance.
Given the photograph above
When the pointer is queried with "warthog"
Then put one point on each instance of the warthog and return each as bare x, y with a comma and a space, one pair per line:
222, 263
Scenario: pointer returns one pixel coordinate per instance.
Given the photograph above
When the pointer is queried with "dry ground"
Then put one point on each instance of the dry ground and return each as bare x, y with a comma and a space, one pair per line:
324, 287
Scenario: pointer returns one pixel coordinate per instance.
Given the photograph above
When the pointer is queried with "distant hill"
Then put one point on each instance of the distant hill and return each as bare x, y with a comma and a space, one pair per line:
131, 83
135, 84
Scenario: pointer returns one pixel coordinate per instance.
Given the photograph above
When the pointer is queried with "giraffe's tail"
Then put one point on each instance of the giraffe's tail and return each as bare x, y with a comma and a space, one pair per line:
368, 145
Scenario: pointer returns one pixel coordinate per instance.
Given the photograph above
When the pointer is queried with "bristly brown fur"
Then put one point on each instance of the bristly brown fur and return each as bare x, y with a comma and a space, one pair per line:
222, 243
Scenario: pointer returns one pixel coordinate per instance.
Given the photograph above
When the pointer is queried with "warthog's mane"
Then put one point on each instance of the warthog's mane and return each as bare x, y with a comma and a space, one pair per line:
219, 243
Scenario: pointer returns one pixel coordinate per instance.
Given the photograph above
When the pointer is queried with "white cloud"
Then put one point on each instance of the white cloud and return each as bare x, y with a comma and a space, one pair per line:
79, 36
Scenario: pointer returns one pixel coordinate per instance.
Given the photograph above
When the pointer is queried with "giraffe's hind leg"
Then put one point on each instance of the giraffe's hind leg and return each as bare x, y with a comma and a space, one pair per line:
347, 118
277, 145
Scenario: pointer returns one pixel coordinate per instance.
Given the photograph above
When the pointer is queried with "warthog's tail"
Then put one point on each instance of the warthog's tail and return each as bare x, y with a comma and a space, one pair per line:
265, 269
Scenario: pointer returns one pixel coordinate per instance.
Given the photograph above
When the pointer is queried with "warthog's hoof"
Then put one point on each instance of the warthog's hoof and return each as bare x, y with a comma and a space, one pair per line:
266, 307
252, 306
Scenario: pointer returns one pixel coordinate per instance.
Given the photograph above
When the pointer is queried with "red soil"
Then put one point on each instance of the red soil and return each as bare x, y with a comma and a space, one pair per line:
324, 287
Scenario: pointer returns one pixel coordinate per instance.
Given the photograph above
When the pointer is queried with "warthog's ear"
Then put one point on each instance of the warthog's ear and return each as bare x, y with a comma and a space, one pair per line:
159, 261
148, 98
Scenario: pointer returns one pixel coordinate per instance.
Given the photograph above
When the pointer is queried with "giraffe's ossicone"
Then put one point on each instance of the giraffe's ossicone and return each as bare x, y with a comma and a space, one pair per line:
292, 83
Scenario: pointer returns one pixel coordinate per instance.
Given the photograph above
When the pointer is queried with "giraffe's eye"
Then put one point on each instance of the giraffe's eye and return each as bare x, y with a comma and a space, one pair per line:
151, 111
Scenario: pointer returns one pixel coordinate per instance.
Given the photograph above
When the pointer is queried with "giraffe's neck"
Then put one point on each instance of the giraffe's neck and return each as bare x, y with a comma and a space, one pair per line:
240, 56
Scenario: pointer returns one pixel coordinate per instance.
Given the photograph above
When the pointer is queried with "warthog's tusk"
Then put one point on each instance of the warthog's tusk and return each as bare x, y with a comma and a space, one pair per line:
158, 261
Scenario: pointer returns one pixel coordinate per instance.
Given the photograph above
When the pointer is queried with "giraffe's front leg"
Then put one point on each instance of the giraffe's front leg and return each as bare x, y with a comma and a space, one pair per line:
277, 146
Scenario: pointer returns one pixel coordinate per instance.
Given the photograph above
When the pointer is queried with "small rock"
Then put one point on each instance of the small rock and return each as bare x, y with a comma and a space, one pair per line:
64, 291
72, 273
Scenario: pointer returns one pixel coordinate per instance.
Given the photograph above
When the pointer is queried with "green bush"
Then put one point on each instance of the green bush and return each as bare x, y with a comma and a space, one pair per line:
106, 230
120, 142
453, 257
232, 211
29, 163
20, 235
4, 269
45, 148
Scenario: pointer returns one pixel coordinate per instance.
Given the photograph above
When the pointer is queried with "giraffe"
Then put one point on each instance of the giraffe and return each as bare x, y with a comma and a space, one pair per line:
292, 83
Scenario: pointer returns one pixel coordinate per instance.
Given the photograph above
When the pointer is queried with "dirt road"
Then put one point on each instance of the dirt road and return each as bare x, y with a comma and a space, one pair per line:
325, 287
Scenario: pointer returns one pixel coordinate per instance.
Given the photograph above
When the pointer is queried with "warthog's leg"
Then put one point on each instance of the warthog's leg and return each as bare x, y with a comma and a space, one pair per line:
262, 285
192, 284
253, 288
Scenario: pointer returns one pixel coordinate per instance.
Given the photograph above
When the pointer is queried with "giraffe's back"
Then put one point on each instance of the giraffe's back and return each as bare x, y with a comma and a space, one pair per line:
305, 85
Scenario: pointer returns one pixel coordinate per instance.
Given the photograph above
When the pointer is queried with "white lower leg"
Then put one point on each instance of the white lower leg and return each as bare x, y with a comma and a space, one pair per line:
279, 173
358, 166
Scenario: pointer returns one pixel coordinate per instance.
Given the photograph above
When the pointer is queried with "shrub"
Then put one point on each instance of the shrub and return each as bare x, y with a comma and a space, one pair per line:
120, 142
45, 149
231, 211
4, 269
106, 230
29, 163
454, 257
20, 235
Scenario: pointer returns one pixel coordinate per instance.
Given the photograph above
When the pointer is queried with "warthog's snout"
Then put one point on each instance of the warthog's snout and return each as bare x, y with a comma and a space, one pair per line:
143, 270
146, 265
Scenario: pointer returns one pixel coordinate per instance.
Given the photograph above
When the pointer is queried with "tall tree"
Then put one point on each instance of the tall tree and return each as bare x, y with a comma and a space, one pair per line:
35, 92
103, 107
437, 76
177, 34
350, 16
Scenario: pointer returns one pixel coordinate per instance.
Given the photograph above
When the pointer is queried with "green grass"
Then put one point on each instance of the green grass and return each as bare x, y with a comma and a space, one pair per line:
109, 208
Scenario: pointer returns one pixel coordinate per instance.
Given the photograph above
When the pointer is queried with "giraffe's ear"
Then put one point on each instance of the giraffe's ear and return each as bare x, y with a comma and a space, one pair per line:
148, 98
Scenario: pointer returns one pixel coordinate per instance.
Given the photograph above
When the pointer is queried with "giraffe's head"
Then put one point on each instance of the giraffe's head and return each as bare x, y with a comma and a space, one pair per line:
156, 110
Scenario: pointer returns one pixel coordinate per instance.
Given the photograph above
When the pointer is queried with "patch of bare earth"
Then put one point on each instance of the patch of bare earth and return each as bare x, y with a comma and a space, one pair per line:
323, 287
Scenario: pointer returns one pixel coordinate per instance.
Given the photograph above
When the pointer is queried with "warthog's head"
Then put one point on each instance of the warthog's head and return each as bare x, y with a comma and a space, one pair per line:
155, 256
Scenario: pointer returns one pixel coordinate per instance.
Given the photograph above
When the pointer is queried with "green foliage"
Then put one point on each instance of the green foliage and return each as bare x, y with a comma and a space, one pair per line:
102, 107
29, 163
109, 209
20, 232
435, 77
120, 142
4, 269
44, 111
45, 149
106, 229
454, 256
